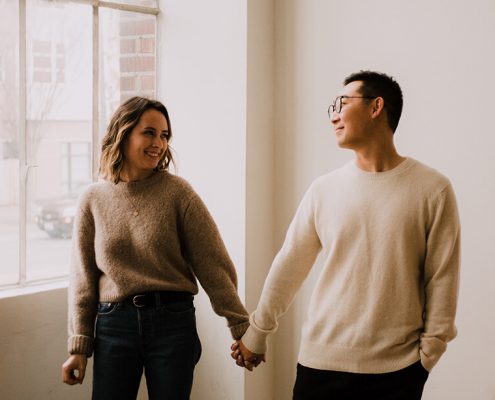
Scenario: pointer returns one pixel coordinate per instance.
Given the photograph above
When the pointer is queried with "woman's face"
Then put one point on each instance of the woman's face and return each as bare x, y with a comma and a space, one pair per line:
145, 145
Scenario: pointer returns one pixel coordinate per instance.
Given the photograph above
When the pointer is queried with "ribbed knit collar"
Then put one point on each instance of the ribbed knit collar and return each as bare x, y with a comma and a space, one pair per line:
141, 184
399, 169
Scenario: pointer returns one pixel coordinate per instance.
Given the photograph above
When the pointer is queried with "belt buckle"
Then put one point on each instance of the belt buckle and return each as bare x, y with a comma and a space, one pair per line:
135, 300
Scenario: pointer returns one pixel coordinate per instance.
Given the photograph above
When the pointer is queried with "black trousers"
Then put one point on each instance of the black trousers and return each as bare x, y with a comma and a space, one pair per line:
315, 384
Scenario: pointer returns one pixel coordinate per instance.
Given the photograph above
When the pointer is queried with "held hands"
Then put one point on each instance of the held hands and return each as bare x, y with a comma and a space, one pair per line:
76, 362
244, 357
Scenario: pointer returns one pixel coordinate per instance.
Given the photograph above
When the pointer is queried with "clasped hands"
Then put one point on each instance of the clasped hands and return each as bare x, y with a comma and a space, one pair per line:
244, 357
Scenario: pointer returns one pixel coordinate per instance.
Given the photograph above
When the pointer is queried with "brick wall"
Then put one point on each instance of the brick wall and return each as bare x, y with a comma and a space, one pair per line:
137, 56
48, 62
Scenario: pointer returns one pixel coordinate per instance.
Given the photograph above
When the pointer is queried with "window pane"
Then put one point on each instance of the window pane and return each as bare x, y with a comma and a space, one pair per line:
9, 145
128, 42
59, 114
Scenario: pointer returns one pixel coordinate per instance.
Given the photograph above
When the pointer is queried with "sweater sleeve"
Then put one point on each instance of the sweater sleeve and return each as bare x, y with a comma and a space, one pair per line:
441, 279
287, 273
210, 261
83, 286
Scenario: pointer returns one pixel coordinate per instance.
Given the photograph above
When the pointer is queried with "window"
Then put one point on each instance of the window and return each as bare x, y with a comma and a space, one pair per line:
59, 85
76, 166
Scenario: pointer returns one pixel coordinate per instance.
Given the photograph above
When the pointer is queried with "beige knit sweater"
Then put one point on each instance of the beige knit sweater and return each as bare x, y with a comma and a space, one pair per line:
387, 291
169, 243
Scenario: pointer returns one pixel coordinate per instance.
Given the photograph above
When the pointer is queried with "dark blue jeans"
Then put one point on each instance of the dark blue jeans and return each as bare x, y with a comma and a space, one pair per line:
161, 339
405, 384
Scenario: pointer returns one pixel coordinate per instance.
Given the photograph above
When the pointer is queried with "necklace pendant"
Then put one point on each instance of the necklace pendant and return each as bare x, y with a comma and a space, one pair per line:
136, 213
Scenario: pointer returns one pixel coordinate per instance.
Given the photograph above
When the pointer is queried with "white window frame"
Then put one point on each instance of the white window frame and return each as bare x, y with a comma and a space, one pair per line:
24, 166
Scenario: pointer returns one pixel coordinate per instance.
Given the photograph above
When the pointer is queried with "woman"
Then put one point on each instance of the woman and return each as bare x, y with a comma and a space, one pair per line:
142, 238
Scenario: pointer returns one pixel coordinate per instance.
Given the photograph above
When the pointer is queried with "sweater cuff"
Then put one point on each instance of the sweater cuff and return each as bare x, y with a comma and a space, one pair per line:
238, 330
255, 337
80, 344
430, 350
255, 341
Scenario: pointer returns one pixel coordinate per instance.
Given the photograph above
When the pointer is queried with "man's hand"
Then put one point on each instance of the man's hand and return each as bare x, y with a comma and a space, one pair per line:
76, 362
244, 357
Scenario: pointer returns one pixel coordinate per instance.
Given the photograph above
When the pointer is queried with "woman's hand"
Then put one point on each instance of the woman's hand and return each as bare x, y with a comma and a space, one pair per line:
76, 362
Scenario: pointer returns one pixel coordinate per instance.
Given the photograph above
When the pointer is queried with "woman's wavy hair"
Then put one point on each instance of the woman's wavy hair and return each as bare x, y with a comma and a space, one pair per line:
123, 121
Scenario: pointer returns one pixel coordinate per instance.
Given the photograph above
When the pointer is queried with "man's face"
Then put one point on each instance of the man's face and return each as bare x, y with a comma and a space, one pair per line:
352, 123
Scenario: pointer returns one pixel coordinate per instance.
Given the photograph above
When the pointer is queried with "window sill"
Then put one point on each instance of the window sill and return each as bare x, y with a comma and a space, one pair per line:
35, 287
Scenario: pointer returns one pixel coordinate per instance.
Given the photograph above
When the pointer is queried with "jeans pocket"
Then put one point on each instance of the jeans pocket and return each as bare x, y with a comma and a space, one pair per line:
106, 308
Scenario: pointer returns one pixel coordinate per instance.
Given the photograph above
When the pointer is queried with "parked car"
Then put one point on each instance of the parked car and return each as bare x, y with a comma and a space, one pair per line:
55, 216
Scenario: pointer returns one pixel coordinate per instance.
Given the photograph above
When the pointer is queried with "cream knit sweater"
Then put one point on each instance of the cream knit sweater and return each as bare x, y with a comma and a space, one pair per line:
387, 292
172, 241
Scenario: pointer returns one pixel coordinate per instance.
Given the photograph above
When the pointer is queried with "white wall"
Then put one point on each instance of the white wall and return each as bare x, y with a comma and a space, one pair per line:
442, 53
33, 346
203, 83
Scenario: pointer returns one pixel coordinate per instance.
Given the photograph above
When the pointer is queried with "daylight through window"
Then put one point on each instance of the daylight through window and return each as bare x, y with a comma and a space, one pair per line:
54, 107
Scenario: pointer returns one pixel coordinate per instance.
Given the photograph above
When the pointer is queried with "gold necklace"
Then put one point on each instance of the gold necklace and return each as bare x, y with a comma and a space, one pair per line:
135, 211
129, 200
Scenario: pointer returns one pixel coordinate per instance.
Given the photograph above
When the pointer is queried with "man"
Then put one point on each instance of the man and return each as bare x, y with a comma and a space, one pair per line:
383, 307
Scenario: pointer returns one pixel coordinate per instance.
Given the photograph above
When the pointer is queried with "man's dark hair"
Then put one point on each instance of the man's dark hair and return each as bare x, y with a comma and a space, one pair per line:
377, 84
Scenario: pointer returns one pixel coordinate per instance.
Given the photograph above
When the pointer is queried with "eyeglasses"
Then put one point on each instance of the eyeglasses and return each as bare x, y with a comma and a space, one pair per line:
336, 106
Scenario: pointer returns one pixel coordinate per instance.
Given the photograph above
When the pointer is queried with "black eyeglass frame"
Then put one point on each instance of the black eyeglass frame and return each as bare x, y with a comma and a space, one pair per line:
333, 107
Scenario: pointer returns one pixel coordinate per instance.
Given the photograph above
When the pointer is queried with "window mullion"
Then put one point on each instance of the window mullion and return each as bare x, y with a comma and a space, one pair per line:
23, 166
96, 92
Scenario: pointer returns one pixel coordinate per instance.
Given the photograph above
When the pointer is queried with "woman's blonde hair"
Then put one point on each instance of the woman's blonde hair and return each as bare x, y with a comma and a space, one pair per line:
123, 121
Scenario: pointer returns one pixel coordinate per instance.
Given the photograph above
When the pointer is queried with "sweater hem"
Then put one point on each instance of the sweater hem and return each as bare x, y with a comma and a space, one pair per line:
366, 361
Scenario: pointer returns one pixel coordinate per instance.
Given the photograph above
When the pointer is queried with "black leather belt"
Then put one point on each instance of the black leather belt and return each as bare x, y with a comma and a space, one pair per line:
152, 299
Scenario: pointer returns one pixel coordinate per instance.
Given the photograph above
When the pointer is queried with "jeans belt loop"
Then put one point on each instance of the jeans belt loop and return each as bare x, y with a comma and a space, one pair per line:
135, 300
